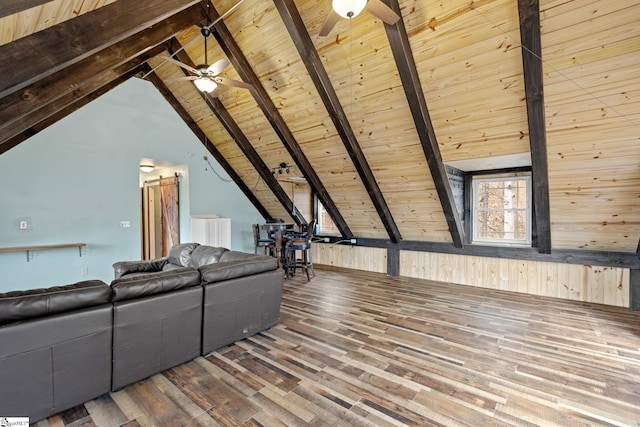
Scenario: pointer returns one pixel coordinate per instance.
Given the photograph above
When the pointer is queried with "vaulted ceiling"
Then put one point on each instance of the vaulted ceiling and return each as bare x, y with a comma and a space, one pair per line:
370, 114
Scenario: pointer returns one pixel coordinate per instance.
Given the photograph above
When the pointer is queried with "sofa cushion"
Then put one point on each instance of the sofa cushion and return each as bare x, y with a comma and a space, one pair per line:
180, 254
21, 305
154, 283
236, 265
203, 255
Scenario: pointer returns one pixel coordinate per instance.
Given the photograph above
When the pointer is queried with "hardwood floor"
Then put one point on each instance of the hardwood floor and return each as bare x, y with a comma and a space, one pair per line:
363, 349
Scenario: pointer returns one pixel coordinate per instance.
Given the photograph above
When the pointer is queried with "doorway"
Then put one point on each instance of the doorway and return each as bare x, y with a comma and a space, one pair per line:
160, 217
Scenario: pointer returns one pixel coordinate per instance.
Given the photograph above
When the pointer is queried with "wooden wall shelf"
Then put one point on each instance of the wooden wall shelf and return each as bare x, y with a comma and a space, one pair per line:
29, 249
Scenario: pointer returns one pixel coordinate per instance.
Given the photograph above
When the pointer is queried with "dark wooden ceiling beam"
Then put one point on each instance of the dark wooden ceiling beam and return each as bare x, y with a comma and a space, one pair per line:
311, 59
399, 41
62, 103
529, 11
199, 133
10, 7
19, 110
244, 69
46, 52
73, 105
242, 141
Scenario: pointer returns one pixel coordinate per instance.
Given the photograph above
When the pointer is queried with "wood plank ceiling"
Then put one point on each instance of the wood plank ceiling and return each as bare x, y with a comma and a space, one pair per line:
371, 114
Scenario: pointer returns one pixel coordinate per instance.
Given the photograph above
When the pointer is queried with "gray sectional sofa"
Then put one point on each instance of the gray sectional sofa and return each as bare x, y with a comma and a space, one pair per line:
65, 345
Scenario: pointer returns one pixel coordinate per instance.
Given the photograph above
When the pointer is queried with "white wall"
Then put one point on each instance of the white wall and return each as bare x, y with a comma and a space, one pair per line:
78, 179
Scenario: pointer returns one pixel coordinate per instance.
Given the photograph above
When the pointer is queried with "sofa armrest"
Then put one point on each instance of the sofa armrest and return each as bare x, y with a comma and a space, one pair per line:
122, 268
217, 272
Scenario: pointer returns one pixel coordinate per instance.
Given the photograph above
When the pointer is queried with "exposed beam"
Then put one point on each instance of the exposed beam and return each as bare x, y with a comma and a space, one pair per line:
399, 42
10, 7
199, 133
529, 11
70, 99
244, 69
46, 52
73, 105
20, 109
242, 141
307, 51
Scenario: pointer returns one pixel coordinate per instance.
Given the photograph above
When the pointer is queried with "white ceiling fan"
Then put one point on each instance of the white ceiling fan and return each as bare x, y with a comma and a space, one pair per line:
351, 8
206, 77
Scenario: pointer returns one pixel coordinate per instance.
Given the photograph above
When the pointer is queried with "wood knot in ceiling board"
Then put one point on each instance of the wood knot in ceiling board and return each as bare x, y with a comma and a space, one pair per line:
432, 24
28, 95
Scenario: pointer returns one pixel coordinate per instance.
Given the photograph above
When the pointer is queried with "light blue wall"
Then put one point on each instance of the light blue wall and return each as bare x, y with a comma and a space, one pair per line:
78, 179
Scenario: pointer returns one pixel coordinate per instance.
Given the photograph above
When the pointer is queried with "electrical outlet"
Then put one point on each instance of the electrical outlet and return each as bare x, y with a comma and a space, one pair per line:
352, 241
125, 224
23, 225
326, 240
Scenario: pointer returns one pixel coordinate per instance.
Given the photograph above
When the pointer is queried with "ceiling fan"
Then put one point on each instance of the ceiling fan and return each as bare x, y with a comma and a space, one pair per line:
206, 77
351, 8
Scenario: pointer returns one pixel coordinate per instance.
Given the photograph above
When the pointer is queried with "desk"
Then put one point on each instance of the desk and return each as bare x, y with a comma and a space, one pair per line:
278, 229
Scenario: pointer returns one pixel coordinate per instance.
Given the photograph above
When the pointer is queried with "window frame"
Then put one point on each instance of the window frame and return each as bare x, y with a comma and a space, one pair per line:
471, 181
319, 211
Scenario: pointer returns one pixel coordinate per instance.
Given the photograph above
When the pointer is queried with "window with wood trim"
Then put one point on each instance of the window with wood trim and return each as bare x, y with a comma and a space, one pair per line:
326, 226
501, 209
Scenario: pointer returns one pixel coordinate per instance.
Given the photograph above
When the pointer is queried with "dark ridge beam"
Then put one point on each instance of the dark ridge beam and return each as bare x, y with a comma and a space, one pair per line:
199, 133
46, 52
244, 69
242, 141
18, 108
10, 7
309, 54
529, 11
399, 42
89, 87
62, 113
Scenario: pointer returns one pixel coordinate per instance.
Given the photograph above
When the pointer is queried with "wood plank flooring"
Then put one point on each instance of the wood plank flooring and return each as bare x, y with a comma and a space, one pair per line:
363, 349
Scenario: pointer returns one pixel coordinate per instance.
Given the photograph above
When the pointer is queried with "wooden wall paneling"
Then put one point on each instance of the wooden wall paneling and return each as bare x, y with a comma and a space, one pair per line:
240, 138
311, 59
19, 18
68, 44
195, 106
596, 284
243, 67
405, 62
365, 80
590, 123
471, 72
20, 109
293, 91
348, 256
159, 84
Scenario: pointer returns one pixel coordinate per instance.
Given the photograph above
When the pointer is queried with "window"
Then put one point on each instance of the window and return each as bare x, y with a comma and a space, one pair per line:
501, 210
326, 225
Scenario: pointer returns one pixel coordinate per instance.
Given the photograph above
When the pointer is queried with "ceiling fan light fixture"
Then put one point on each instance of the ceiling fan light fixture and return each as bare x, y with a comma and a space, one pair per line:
205, 84
348, 8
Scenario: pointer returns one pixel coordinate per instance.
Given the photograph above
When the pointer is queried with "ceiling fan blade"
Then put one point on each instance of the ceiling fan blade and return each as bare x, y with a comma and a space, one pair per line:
381, 11
180, 64
218, 67
328, 25
230, 82
178, 79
